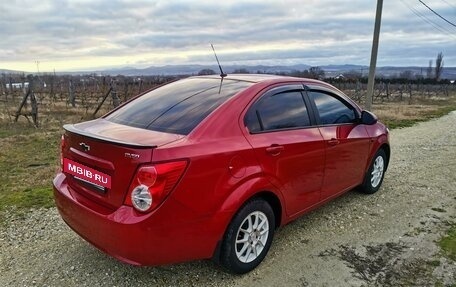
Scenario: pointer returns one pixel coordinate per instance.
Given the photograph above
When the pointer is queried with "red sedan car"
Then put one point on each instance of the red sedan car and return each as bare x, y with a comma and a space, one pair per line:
209, 167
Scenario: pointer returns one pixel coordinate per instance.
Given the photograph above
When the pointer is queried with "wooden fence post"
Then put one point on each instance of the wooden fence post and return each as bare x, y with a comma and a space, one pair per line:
101, 103
140, 86
3, 90
51, 83
410, 90
115, 98
33, 103
125, 89
71, 97
11, 86
387, 90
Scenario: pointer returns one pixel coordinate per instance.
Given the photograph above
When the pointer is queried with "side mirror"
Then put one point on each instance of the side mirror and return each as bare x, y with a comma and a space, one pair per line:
368, 118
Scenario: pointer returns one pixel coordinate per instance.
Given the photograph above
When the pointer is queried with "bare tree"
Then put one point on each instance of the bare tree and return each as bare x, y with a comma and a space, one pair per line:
429, 70
241, 71
204, 72
353, 75
407, 74
438, 66
316, 73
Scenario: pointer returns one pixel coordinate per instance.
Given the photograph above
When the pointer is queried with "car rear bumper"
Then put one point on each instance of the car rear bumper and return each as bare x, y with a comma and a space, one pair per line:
156, 238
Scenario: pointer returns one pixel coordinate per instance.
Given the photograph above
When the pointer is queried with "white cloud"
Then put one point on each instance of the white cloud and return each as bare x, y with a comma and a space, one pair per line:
89, 34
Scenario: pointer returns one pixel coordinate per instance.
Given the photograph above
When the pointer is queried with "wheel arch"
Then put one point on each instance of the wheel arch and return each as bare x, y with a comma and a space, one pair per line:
269, 196
380, 142
273, 200
386, 148
266, 194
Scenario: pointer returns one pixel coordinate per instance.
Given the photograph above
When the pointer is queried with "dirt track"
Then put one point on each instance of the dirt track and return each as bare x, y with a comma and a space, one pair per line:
386, 239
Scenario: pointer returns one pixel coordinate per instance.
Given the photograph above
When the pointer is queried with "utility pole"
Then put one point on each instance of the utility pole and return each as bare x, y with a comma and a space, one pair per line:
38, 66
373, 61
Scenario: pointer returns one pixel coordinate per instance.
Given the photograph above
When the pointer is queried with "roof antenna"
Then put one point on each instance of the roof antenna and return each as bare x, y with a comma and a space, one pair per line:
222, 74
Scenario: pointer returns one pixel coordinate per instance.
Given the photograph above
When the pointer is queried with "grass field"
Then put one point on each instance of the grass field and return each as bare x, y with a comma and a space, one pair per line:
402, 114
448, 243
28, 162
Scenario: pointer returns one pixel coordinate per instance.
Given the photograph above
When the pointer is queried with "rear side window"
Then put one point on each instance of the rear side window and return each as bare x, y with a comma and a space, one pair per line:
279, 111
331, 110
177, 107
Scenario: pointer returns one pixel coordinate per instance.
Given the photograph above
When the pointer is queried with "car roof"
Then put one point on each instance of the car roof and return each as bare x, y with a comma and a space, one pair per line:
257, 78
245, 77
269, 79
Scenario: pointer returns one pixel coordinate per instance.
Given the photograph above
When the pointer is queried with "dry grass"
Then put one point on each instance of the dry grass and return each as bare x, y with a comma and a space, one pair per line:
402, 111
403, 114
448, 243
29, 155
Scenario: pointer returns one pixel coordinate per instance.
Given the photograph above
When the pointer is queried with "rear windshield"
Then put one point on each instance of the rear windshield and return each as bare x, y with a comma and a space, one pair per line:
177, 107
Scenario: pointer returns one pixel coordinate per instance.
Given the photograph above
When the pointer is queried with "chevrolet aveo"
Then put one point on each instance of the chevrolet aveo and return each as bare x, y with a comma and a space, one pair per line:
209, 167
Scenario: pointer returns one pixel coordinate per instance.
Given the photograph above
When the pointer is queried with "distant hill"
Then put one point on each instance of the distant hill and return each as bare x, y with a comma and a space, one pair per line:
448, 72
194, 69
330, 70
5, 71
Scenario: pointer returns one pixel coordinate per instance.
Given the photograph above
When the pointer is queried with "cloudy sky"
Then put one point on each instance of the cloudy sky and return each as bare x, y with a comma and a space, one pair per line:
88, 34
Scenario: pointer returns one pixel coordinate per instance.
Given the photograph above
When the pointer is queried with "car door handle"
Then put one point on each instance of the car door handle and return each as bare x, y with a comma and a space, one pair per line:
274, 149
333, 142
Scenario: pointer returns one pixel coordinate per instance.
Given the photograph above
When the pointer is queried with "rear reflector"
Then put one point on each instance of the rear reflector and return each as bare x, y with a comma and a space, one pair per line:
62, 147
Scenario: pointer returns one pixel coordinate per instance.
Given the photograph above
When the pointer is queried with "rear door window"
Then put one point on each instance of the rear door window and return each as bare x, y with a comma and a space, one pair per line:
286, 110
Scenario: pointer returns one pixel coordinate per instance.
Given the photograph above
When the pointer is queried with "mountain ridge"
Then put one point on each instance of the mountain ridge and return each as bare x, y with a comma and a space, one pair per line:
194, 69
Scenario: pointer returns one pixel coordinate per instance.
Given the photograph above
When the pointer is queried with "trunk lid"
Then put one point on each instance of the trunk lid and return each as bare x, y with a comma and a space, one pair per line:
113, 150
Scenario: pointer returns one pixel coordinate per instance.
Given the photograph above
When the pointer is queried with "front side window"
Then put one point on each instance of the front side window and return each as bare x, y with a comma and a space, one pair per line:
279, 111
332, 110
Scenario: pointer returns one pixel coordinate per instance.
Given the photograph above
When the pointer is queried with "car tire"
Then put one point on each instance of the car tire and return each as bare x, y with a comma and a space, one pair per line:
374, 176
248, 237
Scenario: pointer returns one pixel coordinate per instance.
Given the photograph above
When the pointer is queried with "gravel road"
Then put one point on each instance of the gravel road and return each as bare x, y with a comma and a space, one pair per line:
385, 239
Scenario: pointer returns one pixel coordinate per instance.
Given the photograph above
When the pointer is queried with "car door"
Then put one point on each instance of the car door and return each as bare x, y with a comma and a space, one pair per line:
347, 142
289, 148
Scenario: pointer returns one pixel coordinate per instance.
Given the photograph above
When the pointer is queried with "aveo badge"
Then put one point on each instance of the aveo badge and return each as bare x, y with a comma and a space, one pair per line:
86, 173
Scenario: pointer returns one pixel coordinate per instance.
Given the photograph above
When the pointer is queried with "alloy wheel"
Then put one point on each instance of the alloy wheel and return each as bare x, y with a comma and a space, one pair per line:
252, 236
377, 171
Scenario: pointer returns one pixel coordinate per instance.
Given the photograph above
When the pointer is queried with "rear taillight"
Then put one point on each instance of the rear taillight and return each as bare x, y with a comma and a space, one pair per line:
62, 147
152, 184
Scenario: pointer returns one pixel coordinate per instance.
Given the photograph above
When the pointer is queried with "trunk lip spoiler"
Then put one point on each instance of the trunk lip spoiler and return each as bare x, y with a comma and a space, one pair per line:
71, 128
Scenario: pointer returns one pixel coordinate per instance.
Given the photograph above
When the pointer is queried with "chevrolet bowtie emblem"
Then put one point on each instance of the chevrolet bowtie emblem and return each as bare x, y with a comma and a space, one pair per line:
84, 146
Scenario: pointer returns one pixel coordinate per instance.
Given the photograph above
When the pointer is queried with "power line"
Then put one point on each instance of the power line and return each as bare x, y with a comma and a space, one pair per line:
437, 14
454, 7
429, 21
425, 18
